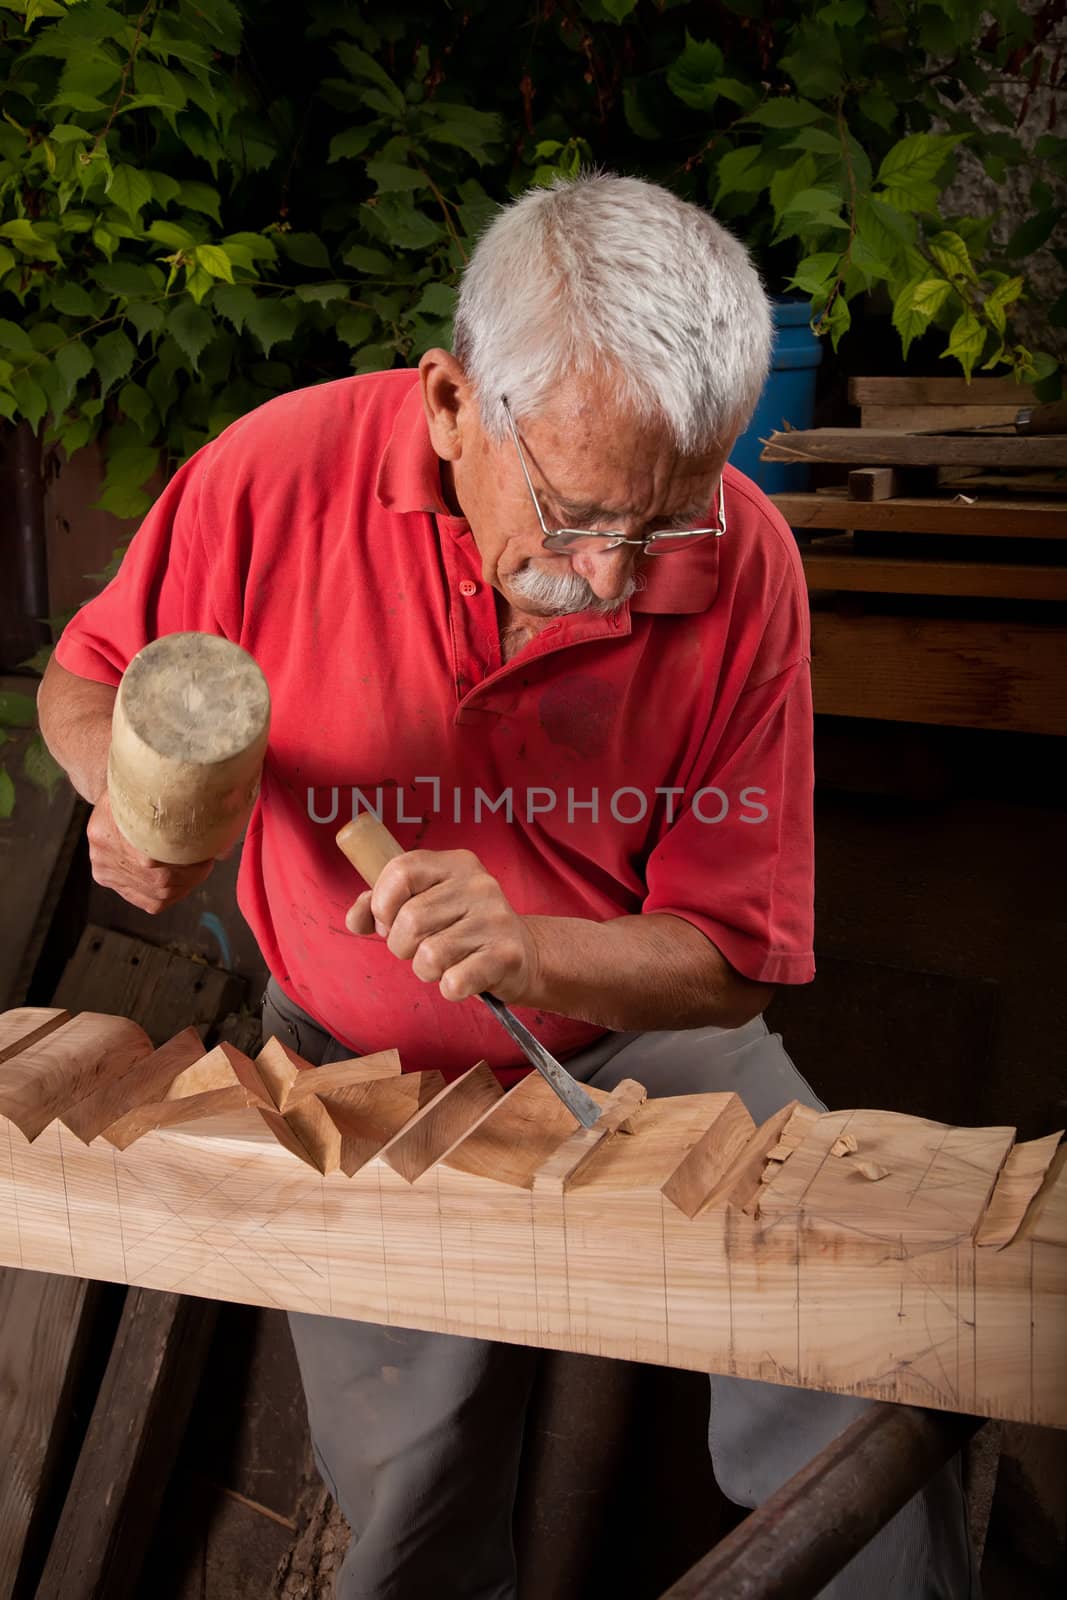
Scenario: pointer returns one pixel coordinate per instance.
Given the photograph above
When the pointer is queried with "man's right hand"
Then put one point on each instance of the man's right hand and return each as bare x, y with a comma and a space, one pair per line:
150, 885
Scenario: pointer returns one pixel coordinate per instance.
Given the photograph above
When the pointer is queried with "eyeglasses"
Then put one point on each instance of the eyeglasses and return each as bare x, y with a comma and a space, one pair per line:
573, 538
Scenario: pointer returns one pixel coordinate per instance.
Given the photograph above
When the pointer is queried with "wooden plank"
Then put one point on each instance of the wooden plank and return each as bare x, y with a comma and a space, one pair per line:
939, 392
952, 672
162, 990
865, 447
37, 845
988, 519
874, 483
832, 1251
914, 419
48, 1324
133, 1436
865, 574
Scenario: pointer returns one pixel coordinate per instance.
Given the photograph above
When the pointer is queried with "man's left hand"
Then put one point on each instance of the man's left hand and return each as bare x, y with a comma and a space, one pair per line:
441, 910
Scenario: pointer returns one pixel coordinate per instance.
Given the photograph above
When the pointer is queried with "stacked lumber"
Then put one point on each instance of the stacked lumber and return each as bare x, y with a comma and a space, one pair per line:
858, 1251
922, 510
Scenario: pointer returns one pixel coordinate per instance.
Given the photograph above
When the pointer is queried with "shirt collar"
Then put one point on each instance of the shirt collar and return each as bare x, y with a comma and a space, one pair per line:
409, 481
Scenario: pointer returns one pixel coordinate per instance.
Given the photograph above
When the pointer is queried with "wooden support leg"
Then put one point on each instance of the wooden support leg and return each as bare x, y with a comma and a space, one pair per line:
133, 1437
793, 1544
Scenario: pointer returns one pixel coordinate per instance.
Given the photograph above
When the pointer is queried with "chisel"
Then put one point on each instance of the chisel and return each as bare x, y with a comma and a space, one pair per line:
369, 846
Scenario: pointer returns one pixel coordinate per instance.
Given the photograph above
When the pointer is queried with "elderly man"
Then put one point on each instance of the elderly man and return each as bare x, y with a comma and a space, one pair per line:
518, 600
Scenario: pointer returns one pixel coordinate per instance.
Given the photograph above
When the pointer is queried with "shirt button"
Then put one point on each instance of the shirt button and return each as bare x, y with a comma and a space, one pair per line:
468, 586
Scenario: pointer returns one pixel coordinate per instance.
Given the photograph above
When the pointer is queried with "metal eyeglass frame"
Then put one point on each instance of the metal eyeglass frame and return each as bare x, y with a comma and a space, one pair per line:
552, 537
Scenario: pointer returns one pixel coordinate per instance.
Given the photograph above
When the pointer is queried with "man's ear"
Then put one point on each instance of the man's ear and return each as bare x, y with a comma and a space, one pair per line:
448, 402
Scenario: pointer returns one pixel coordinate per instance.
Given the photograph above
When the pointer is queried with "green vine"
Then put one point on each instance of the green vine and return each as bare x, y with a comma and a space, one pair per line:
202, 208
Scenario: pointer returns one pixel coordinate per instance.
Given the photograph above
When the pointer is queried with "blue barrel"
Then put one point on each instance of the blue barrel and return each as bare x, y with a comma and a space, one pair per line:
788, 396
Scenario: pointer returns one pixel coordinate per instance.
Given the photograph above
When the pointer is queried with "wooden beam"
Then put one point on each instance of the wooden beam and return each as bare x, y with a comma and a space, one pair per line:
865, 574
988, 519
865, 447
836, 1251
873, 483
48, 1325
37, 844
928, 419
939, 392
133, 1436
136, 979
952, 672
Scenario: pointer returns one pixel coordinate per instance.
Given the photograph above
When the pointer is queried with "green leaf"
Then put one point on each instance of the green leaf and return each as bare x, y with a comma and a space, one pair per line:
1031, 235
815, 65
785, 113
200, 197
790, 181
879, 107
352, 142
816, 272
1000, 298
837, 320
738, 93
7, 794
929, 295
40, 768
910, 169
822, 206
146, 316
72, 363
638, 119
692, 75
191, 328
618, 9
67, 133
130, 190
306, 249
389, 177
125, 278
741, 172
375, 358
128, 468
362, 66
30, 398
437, 300
71, 300
403, 224
170, 234
136, 405
17, 710
258, 246
952, 256
113, 356
273, 321
966, 342
909, 321
372, 262
234, 302
354, 328
215, 261
12, 337
321, 293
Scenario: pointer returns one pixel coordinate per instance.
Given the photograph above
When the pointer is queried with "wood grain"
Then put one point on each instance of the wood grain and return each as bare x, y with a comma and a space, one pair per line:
939, 392
860, 573
989, 518
846, 1250
946, 671
866, 447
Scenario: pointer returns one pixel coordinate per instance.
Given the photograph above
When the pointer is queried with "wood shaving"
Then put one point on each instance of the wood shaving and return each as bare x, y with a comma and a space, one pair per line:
845, 1146
870, 1170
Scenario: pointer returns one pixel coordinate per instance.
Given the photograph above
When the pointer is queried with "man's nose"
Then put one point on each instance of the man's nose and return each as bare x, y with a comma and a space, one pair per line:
607, 572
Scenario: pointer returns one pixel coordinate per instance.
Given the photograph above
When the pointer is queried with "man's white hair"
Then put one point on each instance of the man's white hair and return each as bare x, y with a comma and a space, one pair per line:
608, 274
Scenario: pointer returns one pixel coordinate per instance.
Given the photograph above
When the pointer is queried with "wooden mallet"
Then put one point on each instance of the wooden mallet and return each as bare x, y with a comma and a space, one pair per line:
189, 732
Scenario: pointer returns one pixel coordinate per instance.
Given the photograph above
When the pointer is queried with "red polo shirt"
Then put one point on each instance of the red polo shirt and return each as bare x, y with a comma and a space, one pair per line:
655, 760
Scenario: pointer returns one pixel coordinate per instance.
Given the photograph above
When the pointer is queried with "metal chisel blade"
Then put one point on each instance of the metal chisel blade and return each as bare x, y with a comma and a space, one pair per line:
574, 1097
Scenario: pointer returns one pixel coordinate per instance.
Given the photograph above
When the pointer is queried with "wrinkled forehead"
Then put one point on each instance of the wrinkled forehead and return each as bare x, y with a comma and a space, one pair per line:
605, 461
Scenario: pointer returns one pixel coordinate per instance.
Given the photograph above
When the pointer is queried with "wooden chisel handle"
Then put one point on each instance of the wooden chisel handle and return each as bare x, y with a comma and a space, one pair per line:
369, 846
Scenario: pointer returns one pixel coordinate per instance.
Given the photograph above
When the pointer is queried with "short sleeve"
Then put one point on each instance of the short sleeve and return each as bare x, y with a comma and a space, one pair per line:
737, 861
167, 583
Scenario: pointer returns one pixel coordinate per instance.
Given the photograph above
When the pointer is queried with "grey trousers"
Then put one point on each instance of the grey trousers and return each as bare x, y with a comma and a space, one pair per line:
418, 1435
